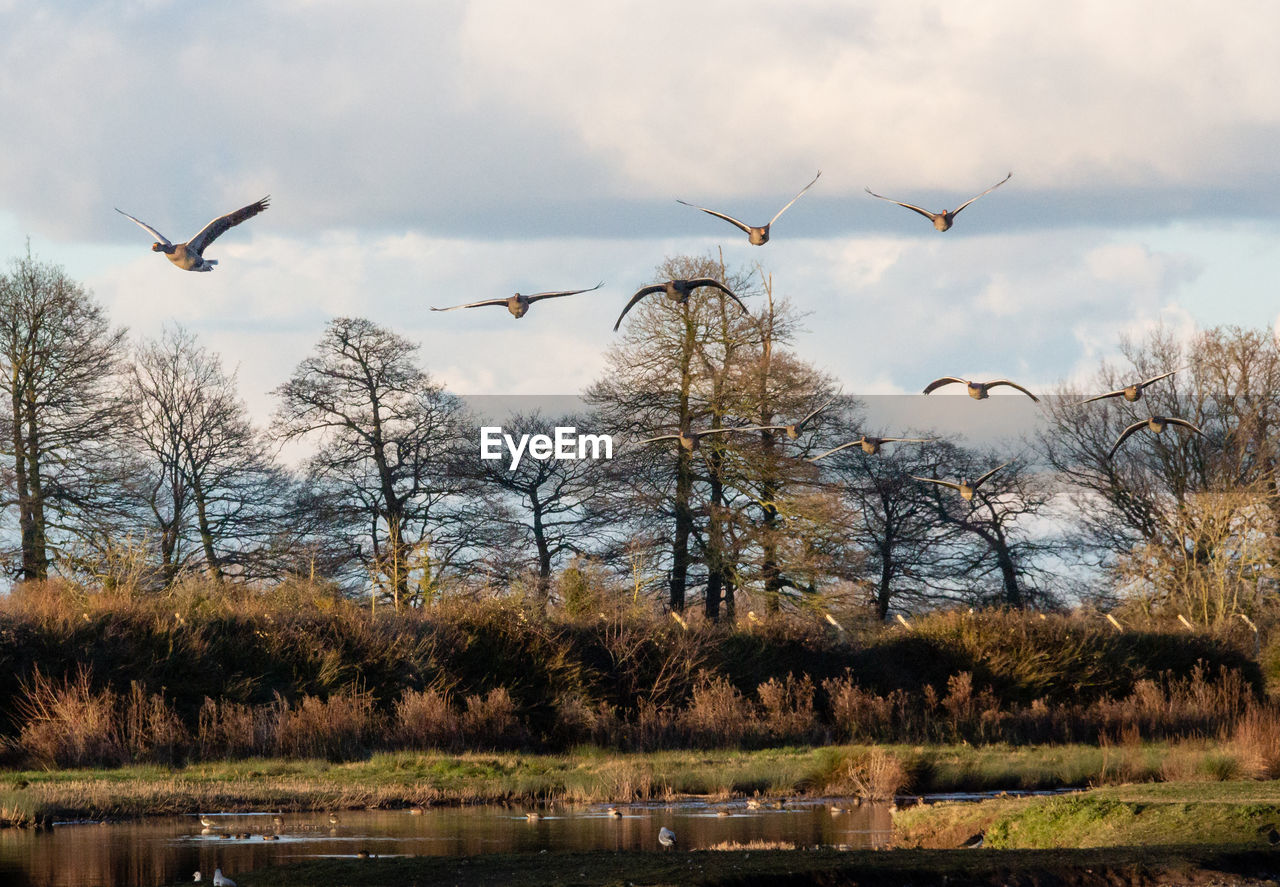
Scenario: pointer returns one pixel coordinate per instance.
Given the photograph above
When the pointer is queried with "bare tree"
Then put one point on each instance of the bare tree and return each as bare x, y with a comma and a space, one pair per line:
1172, 511
546, 509
58, 358
207, 478
385, 438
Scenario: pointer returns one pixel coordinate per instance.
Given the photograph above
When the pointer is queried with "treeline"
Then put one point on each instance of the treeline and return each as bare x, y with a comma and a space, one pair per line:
210, 673
135, 464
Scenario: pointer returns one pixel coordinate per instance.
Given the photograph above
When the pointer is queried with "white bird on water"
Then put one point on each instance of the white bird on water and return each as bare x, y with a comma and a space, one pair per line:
666, 837
221, 880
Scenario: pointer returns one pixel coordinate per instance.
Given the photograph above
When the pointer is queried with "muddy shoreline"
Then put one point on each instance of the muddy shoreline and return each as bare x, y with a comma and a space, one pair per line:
1178, 866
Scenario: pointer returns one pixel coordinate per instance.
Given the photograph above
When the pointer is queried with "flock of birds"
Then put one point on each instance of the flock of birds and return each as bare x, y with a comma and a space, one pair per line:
189, 256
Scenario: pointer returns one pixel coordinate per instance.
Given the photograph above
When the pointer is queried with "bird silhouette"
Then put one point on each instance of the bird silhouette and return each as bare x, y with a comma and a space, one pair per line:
189, 256
941, 220
1156, 424
519, 304
678, 290
871, 445
966, 488
793, 430
1130, 392
758, 235
977, 390
691, 439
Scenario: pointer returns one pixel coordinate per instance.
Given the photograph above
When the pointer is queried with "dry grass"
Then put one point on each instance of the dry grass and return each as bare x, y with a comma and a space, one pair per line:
1256, 742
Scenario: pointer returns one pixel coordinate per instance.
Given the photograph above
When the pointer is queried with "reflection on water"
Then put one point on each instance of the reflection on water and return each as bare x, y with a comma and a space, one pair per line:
167, 851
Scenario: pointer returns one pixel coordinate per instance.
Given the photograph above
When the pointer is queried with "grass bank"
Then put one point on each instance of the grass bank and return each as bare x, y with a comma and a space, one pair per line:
403, 779
1175, 813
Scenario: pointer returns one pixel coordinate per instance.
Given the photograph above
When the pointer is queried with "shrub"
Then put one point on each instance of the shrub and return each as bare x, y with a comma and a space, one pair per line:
68, 724
335, 729
490, 722
787, 713
425, 719
717, 715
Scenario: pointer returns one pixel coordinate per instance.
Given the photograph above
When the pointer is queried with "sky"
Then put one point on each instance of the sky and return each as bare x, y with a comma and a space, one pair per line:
427, 154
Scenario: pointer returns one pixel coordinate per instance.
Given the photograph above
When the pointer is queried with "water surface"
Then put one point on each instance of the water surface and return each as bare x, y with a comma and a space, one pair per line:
167, 850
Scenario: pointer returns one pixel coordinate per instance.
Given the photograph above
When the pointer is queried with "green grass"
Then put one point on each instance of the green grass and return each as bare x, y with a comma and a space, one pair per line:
588, 775
1129, 815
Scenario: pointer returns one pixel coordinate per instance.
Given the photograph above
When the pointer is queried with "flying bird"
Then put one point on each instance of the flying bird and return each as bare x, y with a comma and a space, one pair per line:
690, 440
1156, 424
1129, 392
189, 256
677, 290
758, 235
793, 430
966, 488
666, 837
871, 445
977, 390
519, 304
941, 220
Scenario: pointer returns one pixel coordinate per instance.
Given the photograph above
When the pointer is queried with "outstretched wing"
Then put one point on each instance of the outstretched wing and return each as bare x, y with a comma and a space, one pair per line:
843, 446
911, 206
934, 480
1124, 435
1156, 378
154, 233
907, 439
956, 211
999, 382
660, 437
214, 229
731, 428
945, 380
794, 199
802, 422
711, 281
473, 305
558, 293
1116, 393
1183, 423
640, 294
980, 481
730, 219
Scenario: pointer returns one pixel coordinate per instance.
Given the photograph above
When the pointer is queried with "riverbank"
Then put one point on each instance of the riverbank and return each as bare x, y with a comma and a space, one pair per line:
403, 779
1148, 815
1132, 866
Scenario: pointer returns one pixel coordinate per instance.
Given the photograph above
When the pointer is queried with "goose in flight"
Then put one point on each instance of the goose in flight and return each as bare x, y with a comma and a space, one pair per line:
519, 304
793, 430
871, 445
677, 290
941, 220
691, 439
189, 256
977, 390
1156, 424
966, 488
1129, 392
758, 236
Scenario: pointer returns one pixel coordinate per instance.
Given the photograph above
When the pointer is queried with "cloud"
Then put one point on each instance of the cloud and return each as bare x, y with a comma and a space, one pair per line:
502, 119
